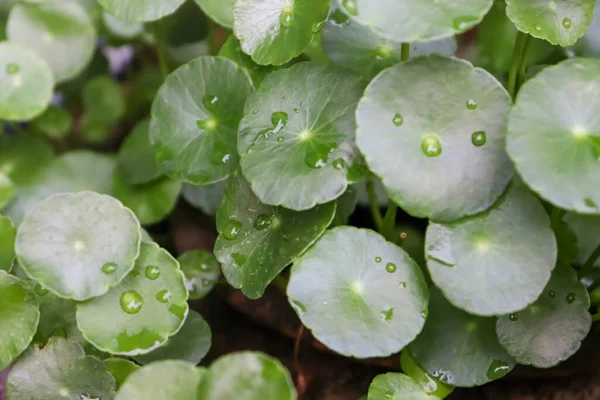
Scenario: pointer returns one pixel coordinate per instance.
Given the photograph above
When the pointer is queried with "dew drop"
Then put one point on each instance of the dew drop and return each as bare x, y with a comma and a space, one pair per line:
551, 293
239, 259
498, 369
390, 267
263, 221
403, 285
431, 146
131, 302
590, 203
287, 16
571, 298
398, 120
387, 315
567, 23
209, 102
350, 6
109, 268
513, 317
220, 154
232, 229
163, 296
377, 259
12, 68
280, 139
279, 120
479, 138
255, 112
538, 28
40, 290
339, 17
471, 104
152, 272
296, 110
339, 164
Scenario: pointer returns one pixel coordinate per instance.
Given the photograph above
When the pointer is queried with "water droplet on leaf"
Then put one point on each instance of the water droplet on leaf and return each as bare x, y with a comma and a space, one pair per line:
538, 28
390, 267
387, 315
287, 15
498, 369
12, 68
551, 293
471, 104
163, 296
571, 298
280, 139
377, 259
232, 229
513, 317
590, 203
339, 163
350, 6
239, 259
479, 138
209, 102
109, 268
152, 272
566, 23
431, 146
131, 302
403, 285
398, 120
279, 119
263, 221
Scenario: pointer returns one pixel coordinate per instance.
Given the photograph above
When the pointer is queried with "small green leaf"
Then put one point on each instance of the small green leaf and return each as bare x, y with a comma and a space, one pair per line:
296, 140
257, 241
207, 198
57, 317
8, 233
550, 330
553, 138
233, 51
163, 380
103, 100
67, 242
190, 344
19, 316
26, 81
275, 31
7, 190
201, 270
458, 348
352, 286
195, 118
485, 264
136, 163
587, 231
136, 11
23, 156
451, 140
120, 369
396, 386
431, 384
59, 30
143, 311
560, 22
220, 11
248, 376
55, 122
62, 371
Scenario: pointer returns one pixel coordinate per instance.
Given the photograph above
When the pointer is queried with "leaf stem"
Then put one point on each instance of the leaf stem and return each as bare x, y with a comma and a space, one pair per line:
388, 228
375, 213
518, 59
405, 52
557, 215
161, 49
589, 264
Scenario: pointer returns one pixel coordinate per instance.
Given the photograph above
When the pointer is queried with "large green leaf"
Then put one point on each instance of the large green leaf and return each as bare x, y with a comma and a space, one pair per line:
141, 313
136, 162
195, 117
59, 371
59, 30
587, 230
201, 270
396, 386
554, 138
219, 10
560, 22
257, 241
496, 262
458, 348
8, 233
275, 31
78, 245
26, 80
296, 140
248, 376
141, 11
352, 286
19, 316
550, 330
444, 121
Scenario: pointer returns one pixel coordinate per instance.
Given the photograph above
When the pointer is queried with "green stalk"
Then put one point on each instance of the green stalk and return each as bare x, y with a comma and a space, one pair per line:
388, 228
161, 48
375, 213
589, 264
405, 52
557, 215
518, 58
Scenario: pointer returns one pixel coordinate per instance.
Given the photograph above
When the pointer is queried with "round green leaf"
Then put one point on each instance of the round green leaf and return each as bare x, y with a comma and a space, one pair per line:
22, 156
140, 314
121, 28
151, 202
7, 190
55, 122
257, 241
57, 317
550, 330
8, 233
120, 369
248, 376
59, 371
431, 384
162, 380
195, 118
417, 20
26, 81
220, 11
561, 22
396, 386
296, 139
78, 245
485, 264
233, 51
136, 162
201, 270
190, 344
587, 230
358, 48
444, 121
352, 286
59, 30
141, 11
554, 139
275, 31
458, 348
19, 316
103, 100
207, 197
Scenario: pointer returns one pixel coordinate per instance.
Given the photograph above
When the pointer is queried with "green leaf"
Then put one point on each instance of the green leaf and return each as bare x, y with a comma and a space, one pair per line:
257, 241
589, 45
151, 202
19, 316
353, 286
587, 230
485, 264
296, 139
190, 344
207, 198
162, 380
8, 233
136, 163
103, 100
120, 28
346, 204
7, 190
142, 312
550, 330
78, 245
274, 31
559, 22
201, 270
57, 317
349, 44
59, 30
233, 51
55, 122
396, 386
444, 121
22, 156
248, 376
431, 384
120, 369
195, 118
417, 20
458, 348
136, 11
220, 11
554, 139
26, 81
61, 371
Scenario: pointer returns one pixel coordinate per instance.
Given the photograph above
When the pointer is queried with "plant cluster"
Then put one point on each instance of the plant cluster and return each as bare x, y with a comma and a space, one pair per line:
308, 111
